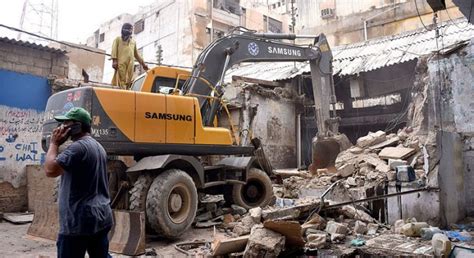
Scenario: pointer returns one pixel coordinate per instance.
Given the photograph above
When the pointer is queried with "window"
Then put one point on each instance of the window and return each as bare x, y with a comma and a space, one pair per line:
275, 26
139, 26
165, 85
101, 37
137, 84
327, 13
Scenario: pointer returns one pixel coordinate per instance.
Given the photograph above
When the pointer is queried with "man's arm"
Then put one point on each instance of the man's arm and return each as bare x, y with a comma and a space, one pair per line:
114, 54
140, 59
51, 166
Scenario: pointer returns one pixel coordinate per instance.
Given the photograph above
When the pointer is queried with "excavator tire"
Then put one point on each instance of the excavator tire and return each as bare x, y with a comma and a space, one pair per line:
171, 203
257, 192
139, 192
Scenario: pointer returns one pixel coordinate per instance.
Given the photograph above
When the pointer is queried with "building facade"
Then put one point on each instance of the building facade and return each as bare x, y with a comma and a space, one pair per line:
175, 32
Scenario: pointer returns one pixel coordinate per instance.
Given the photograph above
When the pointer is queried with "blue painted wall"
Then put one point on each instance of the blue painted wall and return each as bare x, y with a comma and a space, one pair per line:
23, 90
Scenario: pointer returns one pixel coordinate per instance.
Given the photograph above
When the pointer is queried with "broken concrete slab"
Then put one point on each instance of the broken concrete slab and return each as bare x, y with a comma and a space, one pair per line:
292, 231
399, 244
355, 150
396, 152
389, 142
289, 213
346, 170
371, 139
264, 242
287, 173
333, 227
230, 245
244, 226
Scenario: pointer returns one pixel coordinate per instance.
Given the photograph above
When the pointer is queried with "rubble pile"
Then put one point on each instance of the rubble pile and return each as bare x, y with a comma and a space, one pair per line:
373, 159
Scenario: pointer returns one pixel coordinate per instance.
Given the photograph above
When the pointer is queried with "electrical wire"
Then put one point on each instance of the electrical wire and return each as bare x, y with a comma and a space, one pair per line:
419, 16
467, 23
79, 47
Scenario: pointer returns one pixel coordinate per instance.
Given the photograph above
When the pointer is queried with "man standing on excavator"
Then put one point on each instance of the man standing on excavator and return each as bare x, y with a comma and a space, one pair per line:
124, 53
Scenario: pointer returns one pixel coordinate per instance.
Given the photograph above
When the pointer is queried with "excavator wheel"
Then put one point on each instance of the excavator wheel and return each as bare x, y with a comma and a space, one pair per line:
171, 203
257, 192
139, 192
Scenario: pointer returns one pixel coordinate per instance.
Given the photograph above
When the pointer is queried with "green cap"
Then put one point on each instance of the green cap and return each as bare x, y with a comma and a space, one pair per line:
76, 114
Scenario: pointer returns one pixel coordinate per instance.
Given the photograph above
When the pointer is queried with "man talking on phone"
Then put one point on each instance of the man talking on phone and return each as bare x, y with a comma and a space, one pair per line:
85, 216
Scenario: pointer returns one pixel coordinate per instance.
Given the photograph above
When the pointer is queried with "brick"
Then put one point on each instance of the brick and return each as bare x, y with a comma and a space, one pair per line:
336, 228
360, 227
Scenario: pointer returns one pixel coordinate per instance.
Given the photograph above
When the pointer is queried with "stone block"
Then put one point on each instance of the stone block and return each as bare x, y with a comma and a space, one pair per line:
336, 228
371, 139
383, 168
256, 214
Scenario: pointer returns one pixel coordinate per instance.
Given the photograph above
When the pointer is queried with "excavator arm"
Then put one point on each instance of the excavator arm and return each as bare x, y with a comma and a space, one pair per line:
232, 49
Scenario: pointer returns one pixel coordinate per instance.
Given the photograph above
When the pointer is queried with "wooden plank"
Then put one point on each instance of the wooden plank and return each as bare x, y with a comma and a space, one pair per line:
390, 142
290, 229
231, 245
46, 221
289, 213
288, 172
18, 218
396, 152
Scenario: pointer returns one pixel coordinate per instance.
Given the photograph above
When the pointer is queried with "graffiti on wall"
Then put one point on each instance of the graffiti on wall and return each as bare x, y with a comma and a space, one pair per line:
20, 141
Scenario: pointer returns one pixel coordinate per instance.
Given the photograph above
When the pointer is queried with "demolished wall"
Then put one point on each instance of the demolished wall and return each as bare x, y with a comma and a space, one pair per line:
268, 114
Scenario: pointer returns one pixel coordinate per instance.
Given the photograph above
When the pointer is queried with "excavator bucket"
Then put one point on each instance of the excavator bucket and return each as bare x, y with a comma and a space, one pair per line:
325, 151
127, 236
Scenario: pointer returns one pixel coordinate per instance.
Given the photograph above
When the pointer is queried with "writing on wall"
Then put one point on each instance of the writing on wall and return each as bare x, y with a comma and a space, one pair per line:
20, 140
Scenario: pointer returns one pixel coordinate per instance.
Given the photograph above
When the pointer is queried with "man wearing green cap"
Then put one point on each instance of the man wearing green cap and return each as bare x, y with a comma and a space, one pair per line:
85, 216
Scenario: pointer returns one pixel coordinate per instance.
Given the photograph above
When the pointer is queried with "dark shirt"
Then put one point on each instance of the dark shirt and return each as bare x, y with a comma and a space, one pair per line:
84, 203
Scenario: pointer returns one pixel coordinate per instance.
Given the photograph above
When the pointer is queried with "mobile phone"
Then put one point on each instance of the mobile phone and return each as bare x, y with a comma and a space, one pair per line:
74, 129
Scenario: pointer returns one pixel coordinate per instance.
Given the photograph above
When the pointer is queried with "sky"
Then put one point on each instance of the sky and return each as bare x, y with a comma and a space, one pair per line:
77, 19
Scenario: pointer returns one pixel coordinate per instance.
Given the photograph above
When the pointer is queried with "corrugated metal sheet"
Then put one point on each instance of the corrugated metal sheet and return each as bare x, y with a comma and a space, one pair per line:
369, 55
31, 45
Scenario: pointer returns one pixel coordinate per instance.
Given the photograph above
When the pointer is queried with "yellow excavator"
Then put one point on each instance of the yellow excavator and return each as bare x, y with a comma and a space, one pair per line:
167, 122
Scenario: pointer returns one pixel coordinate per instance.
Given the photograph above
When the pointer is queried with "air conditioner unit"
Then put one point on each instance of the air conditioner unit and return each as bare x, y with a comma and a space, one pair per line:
327, 13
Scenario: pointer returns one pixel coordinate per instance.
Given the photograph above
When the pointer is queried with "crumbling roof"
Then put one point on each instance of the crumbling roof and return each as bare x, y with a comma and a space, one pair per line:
369, 55
31, 45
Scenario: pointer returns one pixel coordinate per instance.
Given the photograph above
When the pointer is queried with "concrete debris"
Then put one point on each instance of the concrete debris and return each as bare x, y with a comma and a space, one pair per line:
397, 226
256, 214
316, 240
346, 170
264, 242
396, 152
352, 213
336, 228
441, 245
315, 222
371, 139
372, 228
338, 238
244, 226
360, 227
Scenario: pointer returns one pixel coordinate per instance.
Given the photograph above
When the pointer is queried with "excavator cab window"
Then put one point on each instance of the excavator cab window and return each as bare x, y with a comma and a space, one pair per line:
138, 83
165, 85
